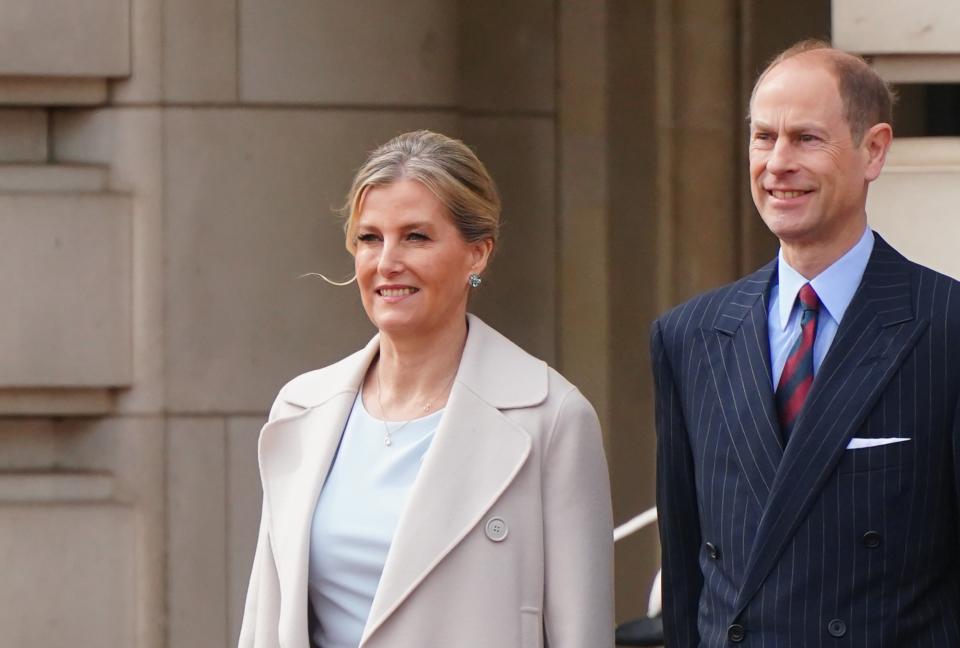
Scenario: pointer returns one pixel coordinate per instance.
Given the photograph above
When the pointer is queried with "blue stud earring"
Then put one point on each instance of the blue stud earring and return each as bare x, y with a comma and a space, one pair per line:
474, 280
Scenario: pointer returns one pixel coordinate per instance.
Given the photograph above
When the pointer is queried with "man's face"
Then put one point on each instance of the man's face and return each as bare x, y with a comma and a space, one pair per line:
808, 178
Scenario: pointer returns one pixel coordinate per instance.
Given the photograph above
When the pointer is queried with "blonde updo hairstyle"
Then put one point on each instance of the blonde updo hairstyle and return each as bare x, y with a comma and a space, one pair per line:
445, 166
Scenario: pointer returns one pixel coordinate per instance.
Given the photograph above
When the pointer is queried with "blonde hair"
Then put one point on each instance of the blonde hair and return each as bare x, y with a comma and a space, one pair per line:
445, 166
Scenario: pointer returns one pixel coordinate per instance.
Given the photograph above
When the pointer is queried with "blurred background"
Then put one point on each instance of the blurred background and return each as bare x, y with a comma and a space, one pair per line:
169, 168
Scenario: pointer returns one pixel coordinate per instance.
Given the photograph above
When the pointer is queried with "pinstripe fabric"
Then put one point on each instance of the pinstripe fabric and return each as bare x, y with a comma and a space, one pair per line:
813, 533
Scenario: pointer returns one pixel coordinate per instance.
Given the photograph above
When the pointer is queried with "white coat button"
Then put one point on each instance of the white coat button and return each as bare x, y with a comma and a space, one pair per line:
496, 529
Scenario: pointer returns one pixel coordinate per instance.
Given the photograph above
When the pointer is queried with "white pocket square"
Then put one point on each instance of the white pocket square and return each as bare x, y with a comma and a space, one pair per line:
859, 442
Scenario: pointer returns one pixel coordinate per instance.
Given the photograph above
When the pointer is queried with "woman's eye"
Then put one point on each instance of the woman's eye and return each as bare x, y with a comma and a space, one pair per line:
418, 236
367, 238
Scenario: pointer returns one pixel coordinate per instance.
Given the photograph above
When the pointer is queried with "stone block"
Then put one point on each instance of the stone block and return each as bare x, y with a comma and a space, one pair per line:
347, 53
196, 533
65, 263
131, 450
39, 487
200, 50
69, 578
65, 38
145, 83
52, 91
519, 295
244, 497
909, 203
23, 135
892, 27
129, 142
918, 68
508, 55
249, 197
26, 444
55, 402
52, 178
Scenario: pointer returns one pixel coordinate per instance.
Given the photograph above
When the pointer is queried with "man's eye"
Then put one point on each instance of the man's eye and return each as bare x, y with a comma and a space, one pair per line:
806, 138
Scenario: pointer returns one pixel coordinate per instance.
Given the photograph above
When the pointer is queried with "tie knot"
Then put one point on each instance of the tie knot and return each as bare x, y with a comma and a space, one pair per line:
808, 298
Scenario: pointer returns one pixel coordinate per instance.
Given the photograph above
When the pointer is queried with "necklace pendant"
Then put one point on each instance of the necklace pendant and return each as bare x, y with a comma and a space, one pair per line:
387, 441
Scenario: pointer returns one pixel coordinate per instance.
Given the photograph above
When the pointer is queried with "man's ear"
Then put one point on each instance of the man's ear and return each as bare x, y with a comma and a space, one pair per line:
876, 143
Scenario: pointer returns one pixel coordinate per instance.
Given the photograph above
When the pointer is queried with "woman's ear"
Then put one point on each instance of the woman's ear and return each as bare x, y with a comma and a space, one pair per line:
480, 251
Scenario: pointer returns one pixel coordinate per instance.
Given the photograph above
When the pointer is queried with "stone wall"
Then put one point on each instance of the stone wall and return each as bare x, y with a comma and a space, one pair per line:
168, 170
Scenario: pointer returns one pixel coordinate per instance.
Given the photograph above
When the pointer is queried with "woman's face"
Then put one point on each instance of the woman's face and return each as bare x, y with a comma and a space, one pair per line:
411, 261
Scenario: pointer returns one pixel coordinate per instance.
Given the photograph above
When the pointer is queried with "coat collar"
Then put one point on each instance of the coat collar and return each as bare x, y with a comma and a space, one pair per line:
475, 455
481, 371
876, 334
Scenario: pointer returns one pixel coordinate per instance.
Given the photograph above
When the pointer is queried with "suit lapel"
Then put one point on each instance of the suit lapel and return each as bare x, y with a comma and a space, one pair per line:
740, 365
475, 455
877, 332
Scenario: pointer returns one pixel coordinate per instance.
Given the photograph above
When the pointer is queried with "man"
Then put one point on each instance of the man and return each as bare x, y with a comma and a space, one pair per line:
807, 415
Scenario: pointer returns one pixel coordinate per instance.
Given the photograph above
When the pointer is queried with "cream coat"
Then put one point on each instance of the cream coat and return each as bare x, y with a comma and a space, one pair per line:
516, 442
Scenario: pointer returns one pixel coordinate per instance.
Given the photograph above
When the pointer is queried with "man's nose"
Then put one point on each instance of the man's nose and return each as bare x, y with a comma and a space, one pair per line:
781, 159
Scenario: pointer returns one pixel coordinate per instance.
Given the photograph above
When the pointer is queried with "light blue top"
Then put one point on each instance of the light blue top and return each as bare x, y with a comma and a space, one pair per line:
835, 286
355, 518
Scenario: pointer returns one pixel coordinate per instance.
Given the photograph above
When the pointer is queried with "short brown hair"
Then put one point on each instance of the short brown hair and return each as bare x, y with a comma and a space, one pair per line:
867, 99
445, 166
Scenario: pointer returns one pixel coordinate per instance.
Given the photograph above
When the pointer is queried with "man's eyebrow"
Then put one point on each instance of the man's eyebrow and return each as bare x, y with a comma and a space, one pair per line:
805, 126
790, 128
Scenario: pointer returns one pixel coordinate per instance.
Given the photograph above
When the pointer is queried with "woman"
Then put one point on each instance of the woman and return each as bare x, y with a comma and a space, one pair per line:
440, 487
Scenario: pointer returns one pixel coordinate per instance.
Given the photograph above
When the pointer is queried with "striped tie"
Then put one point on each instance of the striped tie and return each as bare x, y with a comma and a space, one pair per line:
797, 373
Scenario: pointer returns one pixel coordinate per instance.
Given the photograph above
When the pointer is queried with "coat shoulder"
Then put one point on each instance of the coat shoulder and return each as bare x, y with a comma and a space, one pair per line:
935, 295
319, 385
701, 311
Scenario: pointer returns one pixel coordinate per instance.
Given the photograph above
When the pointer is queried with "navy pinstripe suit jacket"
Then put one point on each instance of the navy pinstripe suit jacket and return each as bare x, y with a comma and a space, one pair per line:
813, 544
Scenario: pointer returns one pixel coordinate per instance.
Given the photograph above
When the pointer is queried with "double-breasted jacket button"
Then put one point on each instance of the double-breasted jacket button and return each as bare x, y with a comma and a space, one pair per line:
871, 539
712, 550
496, 529
736, 633
837, 628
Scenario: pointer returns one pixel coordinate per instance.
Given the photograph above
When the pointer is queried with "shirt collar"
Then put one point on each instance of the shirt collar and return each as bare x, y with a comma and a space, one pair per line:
835, 286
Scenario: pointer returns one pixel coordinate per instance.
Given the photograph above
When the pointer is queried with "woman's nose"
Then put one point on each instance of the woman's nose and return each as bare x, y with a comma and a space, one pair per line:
391, 259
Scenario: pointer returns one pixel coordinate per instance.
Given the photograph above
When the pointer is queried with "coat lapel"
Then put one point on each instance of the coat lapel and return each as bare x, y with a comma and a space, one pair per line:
295, 454
877, 332
475, 455
739, 352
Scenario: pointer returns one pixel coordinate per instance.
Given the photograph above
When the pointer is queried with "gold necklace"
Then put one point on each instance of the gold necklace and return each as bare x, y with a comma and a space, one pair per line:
387, 432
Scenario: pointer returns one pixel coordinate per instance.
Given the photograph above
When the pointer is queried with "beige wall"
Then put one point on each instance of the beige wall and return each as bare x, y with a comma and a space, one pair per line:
912, 203
209, 147
159, 198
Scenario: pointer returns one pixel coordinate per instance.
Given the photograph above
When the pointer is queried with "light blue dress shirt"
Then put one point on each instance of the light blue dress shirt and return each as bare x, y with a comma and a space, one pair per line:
835, 286
356, 515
